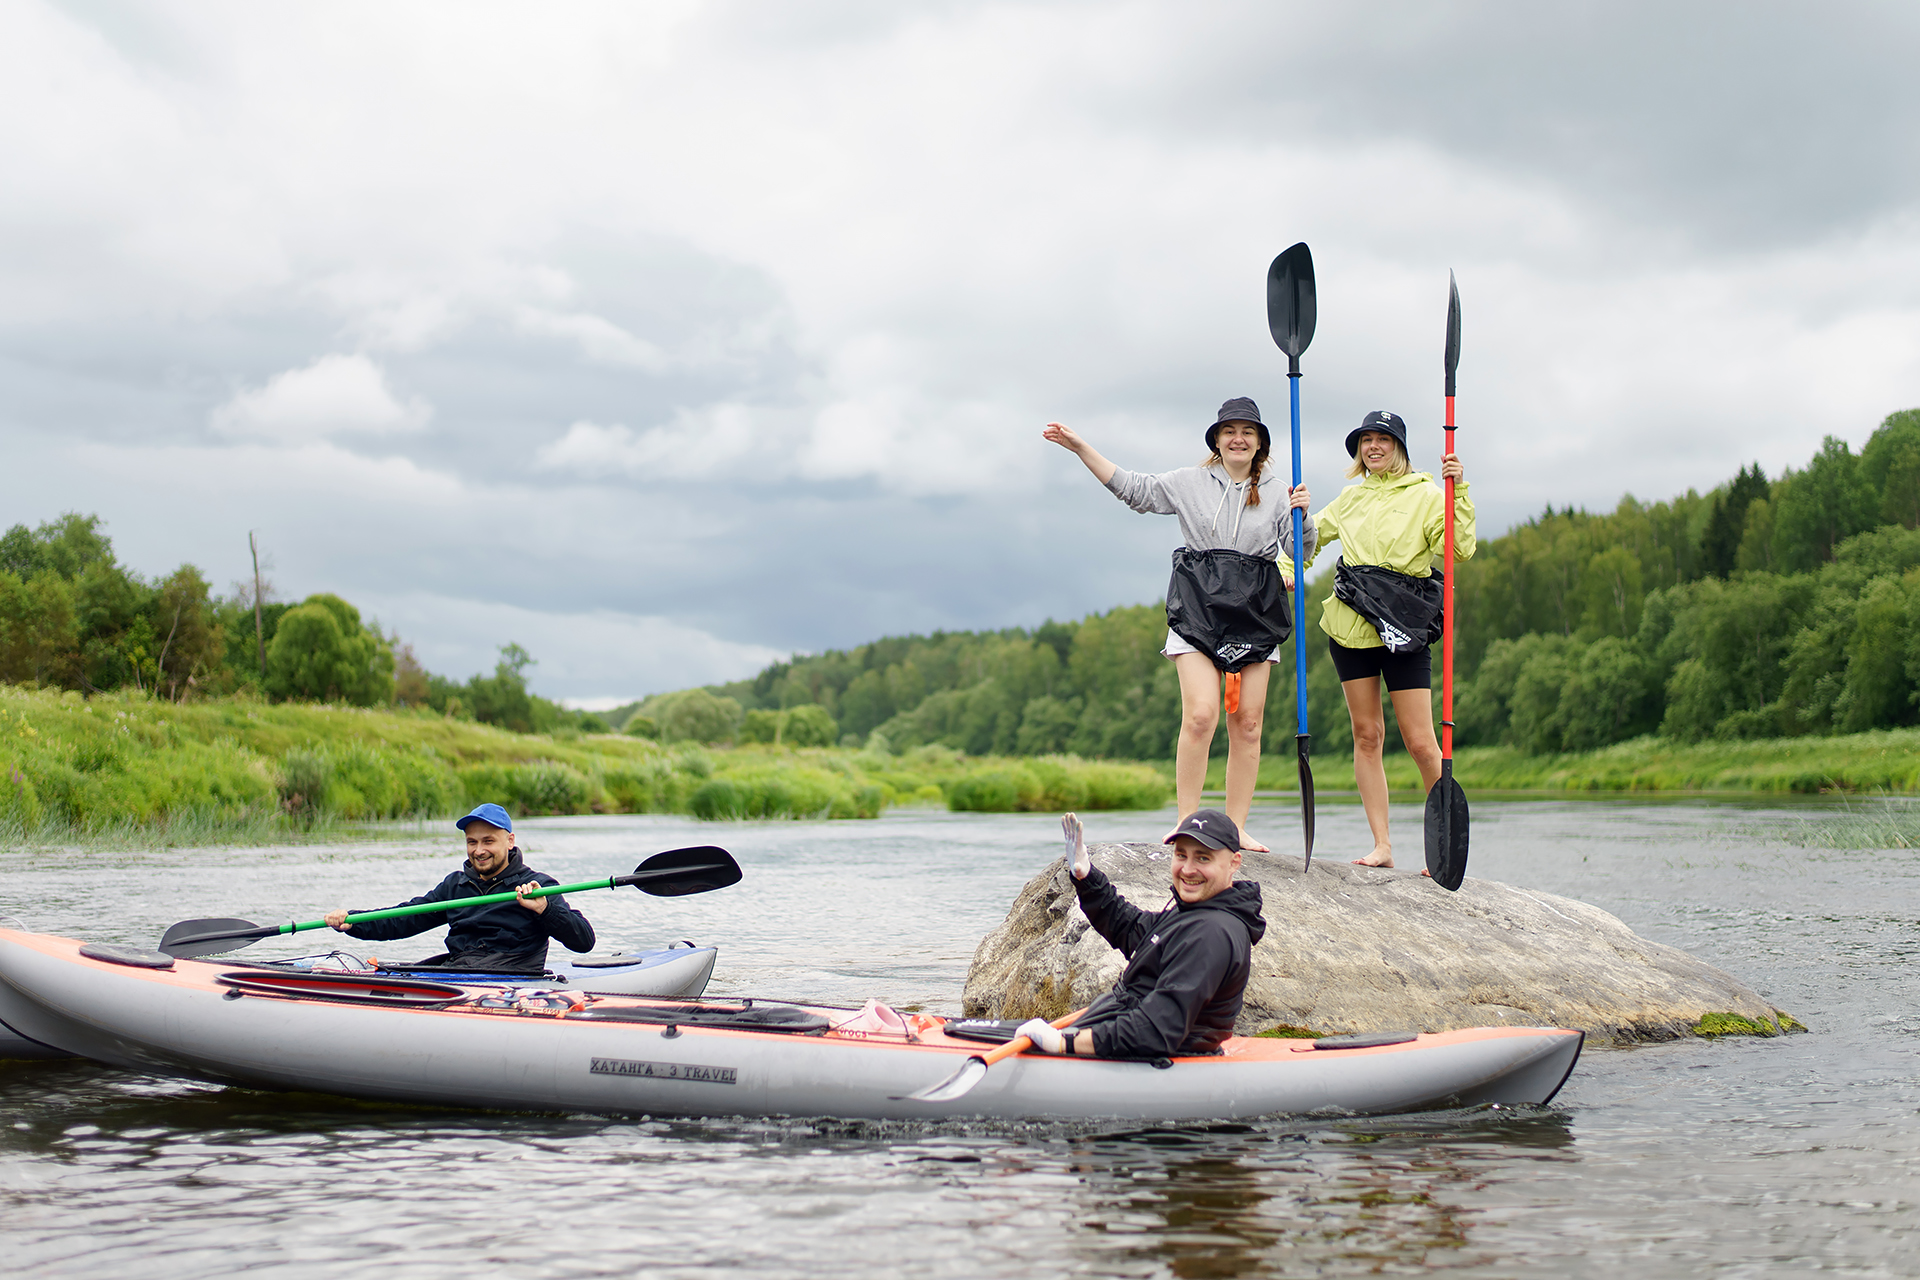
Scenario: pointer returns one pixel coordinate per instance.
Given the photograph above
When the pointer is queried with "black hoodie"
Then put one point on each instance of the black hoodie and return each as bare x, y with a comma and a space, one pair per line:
503, 936
1186, 973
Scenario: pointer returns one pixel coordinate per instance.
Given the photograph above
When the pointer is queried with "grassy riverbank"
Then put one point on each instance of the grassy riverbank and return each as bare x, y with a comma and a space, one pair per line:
1881, 762
125, 766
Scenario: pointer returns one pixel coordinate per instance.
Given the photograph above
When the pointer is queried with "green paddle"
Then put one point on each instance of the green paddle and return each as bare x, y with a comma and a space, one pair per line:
672, 874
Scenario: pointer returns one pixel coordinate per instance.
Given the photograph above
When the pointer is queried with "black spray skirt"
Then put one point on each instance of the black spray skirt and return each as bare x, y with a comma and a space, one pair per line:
1405, 610
1230, 606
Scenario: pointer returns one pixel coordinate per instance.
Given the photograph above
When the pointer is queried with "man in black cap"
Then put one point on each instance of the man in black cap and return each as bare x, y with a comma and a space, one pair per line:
1187, 966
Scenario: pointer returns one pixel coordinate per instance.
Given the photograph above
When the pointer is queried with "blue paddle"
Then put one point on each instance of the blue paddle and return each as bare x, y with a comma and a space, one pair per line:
1290, 316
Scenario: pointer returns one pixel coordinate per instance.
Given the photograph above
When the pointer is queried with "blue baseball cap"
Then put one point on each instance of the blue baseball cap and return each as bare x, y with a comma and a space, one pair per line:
491, 814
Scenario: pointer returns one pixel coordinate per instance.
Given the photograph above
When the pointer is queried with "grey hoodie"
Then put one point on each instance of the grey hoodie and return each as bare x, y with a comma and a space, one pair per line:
1213, 510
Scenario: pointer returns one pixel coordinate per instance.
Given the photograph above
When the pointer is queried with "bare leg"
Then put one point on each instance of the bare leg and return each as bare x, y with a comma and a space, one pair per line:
1243, 748
1199, 716
1369, 774
1413, 708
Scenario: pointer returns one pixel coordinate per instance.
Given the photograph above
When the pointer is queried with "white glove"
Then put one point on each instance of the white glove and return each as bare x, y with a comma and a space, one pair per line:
1077, 860
1045, 1036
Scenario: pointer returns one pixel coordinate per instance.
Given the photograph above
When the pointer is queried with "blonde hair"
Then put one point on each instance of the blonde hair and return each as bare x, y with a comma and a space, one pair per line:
1396, 467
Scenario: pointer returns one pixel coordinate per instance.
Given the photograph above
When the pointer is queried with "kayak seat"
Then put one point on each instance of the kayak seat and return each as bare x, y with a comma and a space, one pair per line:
783, 1018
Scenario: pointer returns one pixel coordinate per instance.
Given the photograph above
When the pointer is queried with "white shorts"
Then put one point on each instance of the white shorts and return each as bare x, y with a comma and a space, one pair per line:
1176, 646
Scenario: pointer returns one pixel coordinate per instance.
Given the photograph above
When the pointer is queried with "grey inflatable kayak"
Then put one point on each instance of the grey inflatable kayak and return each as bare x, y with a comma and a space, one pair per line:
679, 970
432, 1043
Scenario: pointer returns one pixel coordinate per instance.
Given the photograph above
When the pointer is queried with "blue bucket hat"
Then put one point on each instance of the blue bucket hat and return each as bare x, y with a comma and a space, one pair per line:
491, 814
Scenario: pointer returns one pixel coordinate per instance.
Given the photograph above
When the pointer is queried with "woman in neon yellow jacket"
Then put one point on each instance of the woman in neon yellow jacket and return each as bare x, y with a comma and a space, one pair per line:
1390, 527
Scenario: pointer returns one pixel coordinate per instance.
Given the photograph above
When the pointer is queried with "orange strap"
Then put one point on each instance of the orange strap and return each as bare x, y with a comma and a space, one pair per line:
1233, 692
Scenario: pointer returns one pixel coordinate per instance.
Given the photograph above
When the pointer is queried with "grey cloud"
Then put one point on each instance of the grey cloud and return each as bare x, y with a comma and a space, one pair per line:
1096, 263
1703, 128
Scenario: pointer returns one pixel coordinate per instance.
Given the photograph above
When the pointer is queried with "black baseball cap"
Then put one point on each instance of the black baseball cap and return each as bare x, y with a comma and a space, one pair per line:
1239, 409
1211, 828
1378, 420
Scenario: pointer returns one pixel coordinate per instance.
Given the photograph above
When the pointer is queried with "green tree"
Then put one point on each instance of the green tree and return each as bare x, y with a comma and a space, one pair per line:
1824, 505
694, 715
502, 698
39, 640
1890, 468
1720, 542
321, 652
1723, 649
1877, 691
192, 644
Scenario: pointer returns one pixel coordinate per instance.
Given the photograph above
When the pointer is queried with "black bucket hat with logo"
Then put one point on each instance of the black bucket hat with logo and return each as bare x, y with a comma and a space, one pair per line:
1378, 420
1238, 409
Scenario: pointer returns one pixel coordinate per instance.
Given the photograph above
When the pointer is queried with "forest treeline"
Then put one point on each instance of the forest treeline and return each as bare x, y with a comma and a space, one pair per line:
73, 617
1763, 608
1766, 607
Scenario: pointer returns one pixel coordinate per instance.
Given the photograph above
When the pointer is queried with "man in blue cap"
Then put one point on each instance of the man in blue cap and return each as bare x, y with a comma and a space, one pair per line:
503, 937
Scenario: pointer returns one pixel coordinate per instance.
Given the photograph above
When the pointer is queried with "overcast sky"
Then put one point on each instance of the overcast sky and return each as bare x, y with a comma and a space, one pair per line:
667, 339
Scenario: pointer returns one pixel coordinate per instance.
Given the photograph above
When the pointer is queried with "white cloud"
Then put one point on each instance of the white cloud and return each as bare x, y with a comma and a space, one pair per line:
335, 395
599, 339
700, 442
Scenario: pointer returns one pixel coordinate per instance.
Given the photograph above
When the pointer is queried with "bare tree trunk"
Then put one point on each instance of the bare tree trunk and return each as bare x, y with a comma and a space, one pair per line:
160, 667
259, 631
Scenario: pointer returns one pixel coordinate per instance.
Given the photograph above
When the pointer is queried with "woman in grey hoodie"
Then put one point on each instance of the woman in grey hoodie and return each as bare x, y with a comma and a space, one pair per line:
1220, 507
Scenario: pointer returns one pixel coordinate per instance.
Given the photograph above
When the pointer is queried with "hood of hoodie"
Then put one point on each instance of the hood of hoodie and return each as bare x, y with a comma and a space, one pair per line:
1241, 898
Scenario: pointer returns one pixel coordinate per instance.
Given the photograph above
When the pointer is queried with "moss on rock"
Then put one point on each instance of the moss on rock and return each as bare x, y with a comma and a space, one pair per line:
1732, 1024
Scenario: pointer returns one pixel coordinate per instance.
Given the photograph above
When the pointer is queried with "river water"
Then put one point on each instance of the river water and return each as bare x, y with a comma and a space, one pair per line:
1793, 1156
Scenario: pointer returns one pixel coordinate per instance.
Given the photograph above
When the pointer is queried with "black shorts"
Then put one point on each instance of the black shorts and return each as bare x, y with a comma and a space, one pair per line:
1402, 670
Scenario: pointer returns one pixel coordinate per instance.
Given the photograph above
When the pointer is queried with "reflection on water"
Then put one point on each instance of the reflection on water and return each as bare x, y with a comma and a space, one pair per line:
1740, 1158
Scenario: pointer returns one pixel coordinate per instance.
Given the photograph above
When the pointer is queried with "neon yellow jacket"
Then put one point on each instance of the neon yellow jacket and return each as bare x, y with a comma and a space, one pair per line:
1397, 523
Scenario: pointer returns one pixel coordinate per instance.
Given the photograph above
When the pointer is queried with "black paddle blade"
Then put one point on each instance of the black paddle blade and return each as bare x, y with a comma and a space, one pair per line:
679, 872
1447, 830
1453, 329
1305, 742
211, 937
1290, 309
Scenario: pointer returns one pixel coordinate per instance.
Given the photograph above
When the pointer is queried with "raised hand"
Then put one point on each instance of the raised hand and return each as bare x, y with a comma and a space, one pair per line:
1063, 435
1077, 860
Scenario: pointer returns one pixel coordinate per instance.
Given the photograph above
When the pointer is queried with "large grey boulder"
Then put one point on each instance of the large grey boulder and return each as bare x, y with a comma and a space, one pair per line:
1353, 948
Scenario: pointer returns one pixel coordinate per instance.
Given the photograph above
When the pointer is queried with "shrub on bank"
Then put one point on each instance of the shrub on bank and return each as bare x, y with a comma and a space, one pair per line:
238, 768
1053, 783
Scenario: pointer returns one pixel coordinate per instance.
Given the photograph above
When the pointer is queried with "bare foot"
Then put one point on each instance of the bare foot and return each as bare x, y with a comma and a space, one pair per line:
1428, 874
1249, 845
1382, 856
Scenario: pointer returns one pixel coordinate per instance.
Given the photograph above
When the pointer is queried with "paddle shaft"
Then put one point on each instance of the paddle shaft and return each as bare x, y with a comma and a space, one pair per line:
1446, 608
452, 904
1299, 570
1303, 743
1020, 1044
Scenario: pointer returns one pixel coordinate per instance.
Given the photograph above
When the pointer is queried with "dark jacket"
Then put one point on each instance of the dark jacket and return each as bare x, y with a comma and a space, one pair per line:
1186, 974
503, 936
